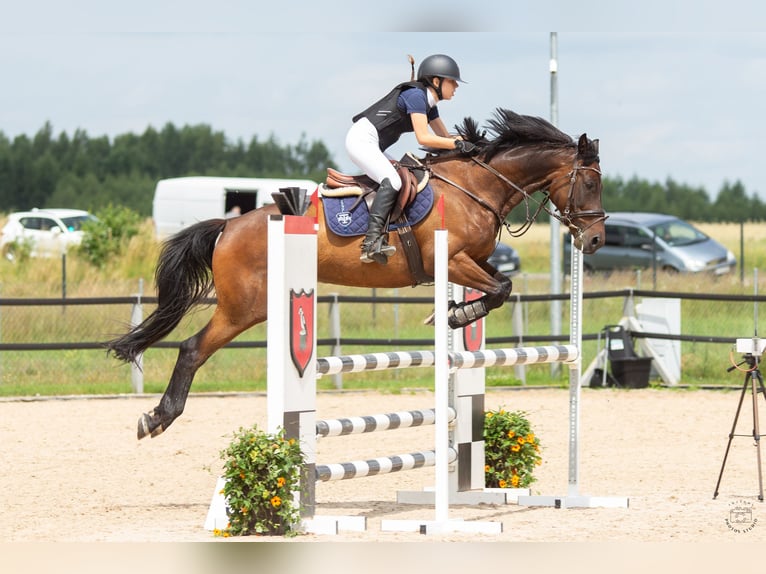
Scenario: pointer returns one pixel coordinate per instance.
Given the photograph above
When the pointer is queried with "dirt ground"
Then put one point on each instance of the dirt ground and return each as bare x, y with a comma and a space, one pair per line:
73, 470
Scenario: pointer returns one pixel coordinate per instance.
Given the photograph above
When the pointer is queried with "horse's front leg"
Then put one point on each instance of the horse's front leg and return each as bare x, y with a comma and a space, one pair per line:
464, 313
495, 286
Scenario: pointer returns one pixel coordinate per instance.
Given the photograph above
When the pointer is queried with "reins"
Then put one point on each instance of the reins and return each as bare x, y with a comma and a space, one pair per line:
567, 217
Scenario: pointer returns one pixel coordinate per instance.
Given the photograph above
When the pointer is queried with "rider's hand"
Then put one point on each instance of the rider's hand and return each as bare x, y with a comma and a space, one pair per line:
464, 146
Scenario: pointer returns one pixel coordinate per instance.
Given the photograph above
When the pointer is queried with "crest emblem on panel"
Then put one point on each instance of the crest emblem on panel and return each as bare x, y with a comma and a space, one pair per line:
473, 334
301, 328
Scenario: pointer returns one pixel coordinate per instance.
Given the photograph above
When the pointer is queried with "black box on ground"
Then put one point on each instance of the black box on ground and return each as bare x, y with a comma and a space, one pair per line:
632, 372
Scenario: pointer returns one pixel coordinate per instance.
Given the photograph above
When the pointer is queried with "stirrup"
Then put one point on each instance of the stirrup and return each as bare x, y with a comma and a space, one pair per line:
378, 251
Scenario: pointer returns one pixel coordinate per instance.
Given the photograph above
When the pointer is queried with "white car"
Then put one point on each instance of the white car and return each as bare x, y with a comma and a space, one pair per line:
45, 232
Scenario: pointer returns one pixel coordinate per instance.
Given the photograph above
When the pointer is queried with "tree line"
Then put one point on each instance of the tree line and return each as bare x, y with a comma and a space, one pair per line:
96, 172
93, 173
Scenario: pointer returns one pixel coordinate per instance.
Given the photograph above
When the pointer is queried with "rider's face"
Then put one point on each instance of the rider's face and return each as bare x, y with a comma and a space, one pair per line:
449, 87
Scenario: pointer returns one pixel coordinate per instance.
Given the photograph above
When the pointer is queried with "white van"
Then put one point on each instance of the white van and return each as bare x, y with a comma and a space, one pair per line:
183, 201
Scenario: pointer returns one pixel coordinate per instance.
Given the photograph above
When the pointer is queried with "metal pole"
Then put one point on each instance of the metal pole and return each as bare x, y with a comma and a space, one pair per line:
137, 368
335, 335
556, 270
441, 376
575, 370
755, 302
63, 275
741, 253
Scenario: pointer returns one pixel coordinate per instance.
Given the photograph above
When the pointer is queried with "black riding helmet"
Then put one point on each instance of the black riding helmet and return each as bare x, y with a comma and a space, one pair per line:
441, 66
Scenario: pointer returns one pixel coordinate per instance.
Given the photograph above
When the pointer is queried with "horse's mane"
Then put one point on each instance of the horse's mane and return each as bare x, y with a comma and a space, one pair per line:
511, 130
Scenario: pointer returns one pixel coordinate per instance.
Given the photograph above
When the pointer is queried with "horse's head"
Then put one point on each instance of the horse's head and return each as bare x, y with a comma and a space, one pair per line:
578, 198
529, 154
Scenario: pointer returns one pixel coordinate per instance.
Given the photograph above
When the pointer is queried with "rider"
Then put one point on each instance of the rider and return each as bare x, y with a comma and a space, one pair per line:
409, 107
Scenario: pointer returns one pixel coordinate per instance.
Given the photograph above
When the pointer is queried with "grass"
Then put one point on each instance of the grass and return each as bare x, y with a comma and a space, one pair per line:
92, 372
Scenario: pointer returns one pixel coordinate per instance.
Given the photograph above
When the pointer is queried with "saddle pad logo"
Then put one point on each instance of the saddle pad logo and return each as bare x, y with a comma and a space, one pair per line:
301, 328
343, 218
473, 334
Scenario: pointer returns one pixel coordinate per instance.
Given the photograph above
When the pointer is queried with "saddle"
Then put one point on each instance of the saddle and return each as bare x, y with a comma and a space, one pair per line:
411, 170
411, 206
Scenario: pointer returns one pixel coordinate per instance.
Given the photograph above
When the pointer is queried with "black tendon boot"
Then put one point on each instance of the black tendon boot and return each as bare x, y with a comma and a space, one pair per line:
375, 247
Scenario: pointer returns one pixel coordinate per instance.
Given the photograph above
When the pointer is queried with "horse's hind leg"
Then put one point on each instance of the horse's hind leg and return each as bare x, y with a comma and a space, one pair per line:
192, 354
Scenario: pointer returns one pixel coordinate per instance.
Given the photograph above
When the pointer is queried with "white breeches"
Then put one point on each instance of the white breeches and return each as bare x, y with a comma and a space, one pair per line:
362, 146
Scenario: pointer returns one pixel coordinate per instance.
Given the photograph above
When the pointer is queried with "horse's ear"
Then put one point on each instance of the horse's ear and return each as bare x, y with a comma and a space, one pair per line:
582, 145
585, 147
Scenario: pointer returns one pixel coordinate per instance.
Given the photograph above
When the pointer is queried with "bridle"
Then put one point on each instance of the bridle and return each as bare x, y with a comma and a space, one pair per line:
567, 217
571, 212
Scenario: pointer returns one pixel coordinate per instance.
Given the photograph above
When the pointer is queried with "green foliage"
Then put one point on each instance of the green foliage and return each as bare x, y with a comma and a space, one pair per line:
108, 236
511, 450
92, 172
262, 471
731, 205
686, 202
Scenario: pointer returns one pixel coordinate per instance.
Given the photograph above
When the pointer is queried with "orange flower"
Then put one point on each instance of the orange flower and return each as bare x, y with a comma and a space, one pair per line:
276, 501
502, 483
511, 434
515, 480
531, 437
281, 482
486, 468
515, 448
521, 440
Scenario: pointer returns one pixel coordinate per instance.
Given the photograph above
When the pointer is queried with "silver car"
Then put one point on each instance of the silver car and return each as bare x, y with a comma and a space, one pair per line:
643, 240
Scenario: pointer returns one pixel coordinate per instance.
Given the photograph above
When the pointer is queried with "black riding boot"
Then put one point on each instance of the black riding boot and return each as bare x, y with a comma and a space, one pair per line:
375, 247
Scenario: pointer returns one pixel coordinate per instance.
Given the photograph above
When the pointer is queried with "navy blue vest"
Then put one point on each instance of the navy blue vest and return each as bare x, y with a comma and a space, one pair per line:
388, 119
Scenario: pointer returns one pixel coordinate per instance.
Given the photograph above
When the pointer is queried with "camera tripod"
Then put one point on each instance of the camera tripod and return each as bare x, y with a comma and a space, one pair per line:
753, 381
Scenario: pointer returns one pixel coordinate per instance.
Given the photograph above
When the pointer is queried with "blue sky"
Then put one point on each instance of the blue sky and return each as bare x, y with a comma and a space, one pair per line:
671, 89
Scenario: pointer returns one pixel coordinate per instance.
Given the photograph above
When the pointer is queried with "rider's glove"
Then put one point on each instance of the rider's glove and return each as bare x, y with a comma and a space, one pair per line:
464, 146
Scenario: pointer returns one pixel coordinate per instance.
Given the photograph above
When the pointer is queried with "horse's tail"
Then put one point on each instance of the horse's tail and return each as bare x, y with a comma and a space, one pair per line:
183, 278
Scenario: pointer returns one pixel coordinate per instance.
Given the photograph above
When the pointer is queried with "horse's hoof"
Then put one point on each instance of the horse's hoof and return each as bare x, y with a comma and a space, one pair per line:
144, 427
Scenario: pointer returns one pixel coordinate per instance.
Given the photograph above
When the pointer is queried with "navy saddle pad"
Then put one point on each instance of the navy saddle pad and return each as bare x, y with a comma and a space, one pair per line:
341, 221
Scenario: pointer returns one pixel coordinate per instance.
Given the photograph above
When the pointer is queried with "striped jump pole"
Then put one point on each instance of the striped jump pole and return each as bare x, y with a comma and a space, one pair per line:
375, 423
380, 465
456, 359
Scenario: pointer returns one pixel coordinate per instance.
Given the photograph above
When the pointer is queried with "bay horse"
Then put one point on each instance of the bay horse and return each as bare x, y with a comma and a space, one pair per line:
526, 155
